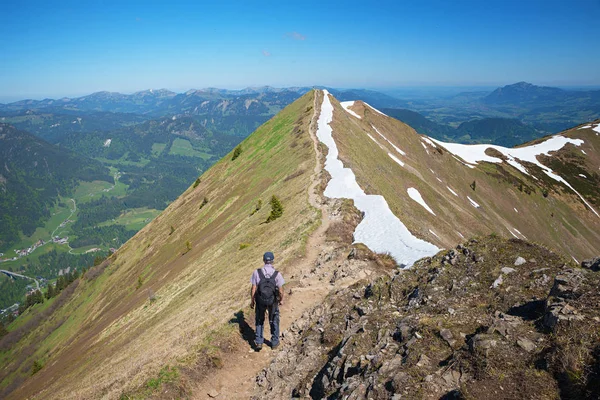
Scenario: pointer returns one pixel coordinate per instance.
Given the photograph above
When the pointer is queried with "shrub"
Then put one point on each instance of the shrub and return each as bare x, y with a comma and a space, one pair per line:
473, 185
258, 207
204, 202
276, 209
196, 183
188, 246
172, 230
37, 365
236, 152
545, 192
244, 245
140, 282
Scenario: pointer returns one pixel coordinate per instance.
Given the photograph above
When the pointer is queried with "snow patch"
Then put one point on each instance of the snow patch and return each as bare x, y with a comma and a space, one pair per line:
392, 144
474, 153
380, 229
583, 176
346, 105
511, 232
517, 211
460, 234
516, 230
393, 157
428, 141
452, 191
596, 129
107, 142
584, 152
435, 234
374, 109
416, 196
473, 203
439, 179
584, 127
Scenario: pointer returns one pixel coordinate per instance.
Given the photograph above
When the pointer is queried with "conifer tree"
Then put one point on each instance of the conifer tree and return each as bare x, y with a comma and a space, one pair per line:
276, 209
236, 152
3, 330
50, 292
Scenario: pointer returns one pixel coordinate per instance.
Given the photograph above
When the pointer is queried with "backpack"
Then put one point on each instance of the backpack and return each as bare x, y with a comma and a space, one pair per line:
266, 293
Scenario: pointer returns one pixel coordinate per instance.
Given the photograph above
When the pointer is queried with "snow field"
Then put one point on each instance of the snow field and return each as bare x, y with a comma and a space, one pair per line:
474, 153
380, 229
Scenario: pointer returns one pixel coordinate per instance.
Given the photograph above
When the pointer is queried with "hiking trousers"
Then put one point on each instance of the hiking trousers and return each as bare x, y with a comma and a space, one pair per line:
273, 311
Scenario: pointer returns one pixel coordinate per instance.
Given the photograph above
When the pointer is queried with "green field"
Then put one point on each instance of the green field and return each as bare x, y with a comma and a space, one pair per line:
135, 218
158, 148
124, 161
183, 147
88, 191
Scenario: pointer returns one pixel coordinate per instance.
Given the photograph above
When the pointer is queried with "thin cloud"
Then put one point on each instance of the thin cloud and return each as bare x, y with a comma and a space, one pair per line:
296, 36
266, 53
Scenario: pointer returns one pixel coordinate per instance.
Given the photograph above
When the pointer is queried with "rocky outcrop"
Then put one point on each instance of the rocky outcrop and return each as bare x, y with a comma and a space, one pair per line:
441, 330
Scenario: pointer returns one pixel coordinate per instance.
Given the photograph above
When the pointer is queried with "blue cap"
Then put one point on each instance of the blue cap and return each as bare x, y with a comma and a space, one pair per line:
268, 257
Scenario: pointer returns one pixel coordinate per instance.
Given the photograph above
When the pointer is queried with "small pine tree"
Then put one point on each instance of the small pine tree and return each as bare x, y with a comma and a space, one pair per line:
140, 282
236, 152
37, 365
196, 183
172, 230
188, 246
258, 207
50, 292
473, 185
204, 202
276, 209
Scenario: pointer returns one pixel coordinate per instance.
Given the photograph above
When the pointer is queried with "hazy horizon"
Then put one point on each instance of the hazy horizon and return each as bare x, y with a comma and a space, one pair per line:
68, 48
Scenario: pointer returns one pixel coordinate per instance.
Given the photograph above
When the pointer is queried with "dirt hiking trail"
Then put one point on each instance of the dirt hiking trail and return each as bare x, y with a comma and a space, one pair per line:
237, 378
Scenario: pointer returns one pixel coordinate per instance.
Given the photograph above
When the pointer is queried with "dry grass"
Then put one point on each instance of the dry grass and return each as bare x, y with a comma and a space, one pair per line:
559, 221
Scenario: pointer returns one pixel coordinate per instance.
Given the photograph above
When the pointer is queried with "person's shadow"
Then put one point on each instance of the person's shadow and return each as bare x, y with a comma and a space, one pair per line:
245, 329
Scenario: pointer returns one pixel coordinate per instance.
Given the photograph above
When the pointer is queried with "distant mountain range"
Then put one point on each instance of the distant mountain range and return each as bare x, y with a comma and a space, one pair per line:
501, 131
250, 101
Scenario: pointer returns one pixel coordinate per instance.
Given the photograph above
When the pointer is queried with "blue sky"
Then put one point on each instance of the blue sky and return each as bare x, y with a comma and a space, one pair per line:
63, 48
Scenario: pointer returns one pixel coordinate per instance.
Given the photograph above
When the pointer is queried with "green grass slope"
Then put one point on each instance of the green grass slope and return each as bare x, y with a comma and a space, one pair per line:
180, 279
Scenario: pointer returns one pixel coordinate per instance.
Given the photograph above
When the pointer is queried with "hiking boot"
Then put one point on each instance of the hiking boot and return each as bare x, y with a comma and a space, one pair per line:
274, 346
257, 347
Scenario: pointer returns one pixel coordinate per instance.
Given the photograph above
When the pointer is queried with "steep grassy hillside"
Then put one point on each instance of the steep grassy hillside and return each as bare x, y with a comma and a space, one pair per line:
165, 292
502, 199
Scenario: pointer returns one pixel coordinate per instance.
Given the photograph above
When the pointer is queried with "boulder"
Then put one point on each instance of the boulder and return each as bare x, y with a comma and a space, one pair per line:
526, 344
520, 261
481, 343
507, 270
447, 336
592, 263
566, 284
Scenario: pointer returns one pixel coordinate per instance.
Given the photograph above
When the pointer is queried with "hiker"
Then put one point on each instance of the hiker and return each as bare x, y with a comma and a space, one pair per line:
267, 295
